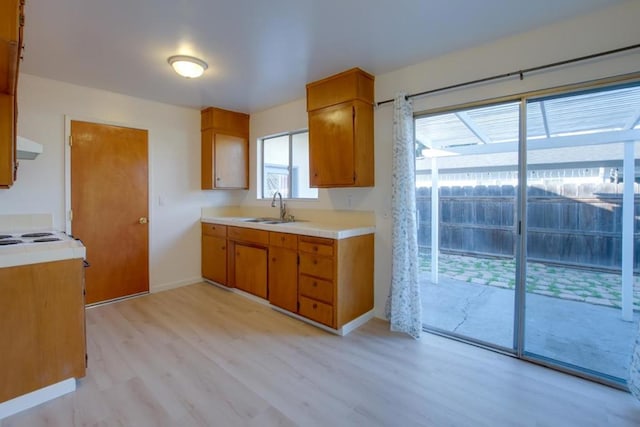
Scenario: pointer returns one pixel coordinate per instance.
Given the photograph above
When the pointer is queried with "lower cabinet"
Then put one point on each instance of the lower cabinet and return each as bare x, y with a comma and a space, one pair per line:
329, 281
251, 269
214, 253
42, 326
283, 270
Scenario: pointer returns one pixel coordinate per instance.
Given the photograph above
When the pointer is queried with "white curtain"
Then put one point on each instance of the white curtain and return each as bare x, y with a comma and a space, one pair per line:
403, 308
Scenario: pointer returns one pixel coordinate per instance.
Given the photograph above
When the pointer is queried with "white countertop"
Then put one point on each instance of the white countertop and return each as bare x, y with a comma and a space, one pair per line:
307, 228
14, 255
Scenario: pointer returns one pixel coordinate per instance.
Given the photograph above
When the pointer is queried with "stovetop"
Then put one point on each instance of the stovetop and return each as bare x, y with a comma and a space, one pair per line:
29, 247
32, 237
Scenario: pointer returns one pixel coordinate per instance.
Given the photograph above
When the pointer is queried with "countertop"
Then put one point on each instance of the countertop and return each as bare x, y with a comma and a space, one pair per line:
24, 254
306, 228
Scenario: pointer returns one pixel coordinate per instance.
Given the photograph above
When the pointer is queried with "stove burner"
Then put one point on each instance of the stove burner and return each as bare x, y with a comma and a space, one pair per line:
37, 234
47, 239
5, 236
6, 242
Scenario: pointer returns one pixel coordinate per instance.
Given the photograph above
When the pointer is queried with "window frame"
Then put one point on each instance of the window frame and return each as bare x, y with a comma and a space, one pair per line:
290, 136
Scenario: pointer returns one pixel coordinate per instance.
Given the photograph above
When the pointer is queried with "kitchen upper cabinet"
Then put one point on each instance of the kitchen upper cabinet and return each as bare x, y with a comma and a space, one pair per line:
214, 252
283, 270
341, 149
225, 149
11, 36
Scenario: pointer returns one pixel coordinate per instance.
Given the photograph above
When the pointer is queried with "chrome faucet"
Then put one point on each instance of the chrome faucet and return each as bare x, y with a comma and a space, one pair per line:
283, 208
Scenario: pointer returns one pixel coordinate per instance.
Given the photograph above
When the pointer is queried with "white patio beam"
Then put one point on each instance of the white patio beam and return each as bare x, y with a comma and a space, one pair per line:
628, 175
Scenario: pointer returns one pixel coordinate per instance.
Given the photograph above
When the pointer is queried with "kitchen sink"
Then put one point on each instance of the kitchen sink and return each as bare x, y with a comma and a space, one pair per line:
266, 220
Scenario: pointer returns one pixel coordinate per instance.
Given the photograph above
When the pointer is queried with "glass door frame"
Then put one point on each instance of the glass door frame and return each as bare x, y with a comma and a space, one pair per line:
519, 328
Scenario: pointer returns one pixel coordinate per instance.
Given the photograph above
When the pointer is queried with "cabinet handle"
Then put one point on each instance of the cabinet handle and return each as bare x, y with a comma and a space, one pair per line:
223, 248
315, 305
315, 262
273, 260
315, 249
282, 239
315, 284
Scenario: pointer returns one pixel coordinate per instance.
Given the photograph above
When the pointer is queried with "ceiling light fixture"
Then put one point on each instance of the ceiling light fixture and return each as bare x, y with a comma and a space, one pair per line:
187, 66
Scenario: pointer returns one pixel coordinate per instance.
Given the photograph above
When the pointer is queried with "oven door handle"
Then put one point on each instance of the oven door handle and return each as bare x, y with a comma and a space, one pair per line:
86, 263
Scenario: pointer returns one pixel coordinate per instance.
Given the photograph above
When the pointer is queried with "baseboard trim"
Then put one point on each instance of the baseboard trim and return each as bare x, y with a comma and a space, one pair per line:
173, 285
344, 330
35, 398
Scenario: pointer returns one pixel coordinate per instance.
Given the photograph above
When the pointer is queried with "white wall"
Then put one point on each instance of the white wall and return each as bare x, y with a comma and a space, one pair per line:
609, 29
174, 168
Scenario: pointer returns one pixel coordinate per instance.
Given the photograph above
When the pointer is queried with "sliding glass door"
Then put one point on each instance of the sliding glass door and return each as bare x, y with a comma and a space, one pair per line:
467, 178
529, 226
582, 207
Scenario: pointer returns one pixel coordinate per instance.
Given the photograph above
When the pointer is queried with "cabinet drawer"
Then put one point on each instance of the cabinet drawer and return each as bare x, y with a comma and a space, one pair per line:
316, 310
316, 245
283, 240
316, 288
249, 235
214, 229
318, 266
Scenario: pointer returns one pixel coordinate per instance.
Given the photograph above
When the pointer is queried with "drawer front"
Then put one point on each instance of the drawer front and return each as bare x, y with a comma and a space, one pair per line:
214, 229
316, 288
316, 266
249, 235
283, 240
317, 246
316, 310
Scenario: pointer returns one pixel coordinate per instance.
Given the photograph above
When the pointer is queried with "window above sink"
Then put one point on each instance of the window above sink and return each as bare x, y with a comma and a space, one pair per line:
285, 166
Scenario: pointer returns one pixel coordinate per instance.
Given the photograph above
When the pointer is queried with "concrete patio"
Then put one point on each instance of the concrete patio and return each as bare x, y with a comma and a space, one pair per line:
572, 315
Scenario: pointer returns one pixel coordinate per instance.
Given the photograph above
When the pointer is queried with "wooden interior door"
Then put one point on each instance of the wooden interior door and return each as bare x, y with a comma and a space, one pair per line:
109, 203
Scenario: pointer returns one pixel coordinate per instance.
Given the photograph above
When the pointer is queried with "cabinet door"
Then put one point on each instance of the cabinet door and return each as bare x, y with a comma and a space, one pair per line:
231, 160
331, 146
7, 138
214, 259
283, 278
251, 269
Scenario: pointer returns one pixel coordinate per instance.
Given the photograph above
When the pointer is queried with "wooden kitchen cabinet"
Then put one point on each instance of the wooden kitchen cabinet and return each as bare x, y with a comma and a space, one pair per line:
335, 283
283, 270
11, 40
225, 149
248, 266
341, 149
214, 252
251, 269
42, 326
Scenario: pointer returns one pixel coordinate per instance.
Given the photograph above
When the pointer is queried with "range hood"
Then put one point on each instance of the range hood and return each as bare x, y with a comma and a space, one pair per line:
27, 149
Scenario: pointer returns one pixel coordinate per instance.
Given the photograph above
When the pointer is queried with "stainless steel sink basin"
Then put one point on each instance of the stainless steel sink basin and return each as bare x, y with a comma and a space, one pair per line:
265, 220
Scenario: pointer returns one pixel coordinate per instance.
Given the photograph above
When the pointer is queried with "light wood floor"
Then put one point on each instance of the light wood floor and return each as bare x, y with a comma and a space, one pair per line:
201, 356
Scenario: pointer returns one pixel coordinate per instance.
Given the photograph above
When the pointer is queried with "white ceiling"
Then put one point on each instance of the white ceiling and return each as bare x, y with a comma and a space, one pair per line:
261, 53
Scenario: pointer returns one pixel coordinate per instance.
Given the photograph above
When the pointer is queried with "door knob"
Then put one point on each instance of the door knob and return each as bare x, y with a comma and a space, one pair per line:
143, 220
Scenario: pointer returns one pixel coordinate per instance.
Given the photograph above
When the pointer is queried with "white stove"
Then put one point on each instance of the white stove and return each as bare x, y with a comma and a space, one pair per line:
31, 242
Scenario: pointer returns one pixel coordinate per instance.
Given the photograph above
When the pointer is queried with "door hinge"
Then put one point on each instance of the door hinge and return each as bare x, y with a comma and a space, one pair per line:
298, 259
86, 360
70, 215
70, 140
353, 112
355, 177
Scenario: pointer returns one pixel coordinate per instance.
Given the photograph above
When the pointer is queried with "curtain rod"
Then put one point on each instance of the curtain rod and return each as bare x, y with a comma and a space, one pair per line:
516, 73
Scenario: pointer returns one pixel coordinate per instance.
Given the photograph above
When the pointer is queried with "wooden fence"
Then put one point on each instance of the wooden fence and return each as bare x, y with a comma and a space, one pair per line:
579, 225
